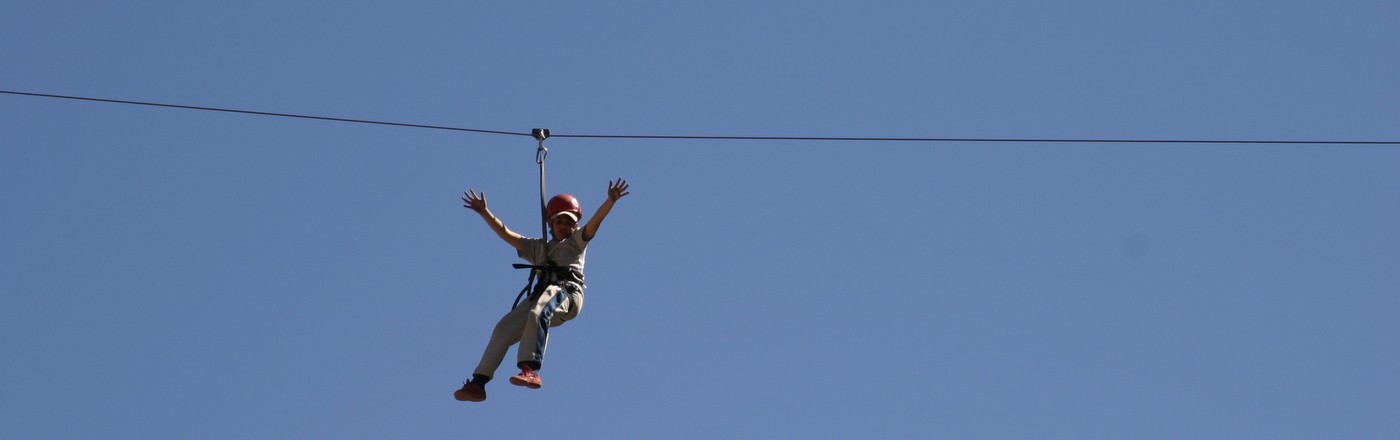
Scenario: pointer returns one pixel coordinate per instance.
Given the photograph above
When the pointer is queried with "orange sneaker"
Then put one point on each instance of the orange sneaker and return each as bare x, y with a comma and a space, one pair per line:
527, 378
471, 392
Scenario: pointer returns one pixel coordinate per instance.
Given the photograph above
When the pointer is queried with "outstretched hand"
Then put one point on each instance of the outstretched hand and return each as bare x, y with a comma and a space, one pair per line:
473, 201
616, 190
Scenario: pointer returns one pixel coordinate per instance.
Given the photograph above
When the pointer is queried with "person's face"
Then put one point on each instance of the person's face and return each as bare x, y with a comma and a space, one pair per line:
563, 226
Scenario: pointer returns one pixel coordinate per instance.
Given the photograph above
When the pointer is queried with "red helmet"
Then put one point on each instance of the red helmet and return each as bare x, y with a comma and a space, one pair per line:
563, 203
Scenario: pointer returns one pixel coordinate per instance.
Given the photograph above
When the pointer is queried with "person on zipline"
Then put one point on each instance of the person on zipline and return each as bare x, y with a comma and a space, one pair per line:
556, 298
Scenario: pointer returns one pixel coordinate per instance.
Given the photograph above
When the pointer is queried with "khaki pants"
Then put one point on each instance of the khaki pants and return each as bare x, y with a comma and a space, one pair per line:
528, 324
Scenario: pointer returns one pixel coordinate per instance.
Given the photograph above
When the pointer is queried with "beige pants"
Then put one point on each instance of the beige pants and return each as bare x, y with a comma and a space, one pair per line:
528, 324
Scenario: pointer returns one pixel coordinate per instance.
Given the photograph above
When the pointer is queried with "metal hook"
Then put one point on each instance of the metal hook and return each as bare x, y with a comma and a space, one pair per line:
540, 134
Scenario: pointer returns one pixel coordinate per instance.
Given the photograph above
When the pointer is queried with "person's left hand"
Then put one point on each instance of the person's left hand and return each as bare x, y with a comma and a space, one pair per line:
617, 190
473, 201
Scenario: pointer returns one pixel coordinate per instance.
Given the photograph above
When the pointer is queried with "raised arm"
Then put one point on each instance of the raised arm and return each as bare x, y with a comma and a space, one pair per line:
477, 202
615, 191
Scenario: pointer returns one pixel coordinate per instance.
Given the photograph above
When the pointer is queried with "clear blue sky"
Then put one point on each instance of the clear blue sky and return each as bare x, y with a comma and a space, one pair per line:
182, 274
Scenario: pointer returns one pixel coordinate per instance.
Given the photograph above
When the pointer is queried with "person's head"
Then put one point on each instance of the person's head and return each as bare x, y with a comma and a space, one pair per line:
564, 213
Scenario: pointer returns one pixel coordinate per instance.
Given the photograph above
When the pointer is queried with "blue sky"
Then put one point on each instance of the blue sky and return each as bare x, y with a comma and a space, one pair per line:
184, 274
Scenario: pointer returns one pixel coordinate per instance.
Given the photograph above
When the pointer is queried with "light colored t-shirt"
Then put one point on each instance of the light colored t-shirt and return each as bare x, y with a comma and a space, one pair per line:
569, 252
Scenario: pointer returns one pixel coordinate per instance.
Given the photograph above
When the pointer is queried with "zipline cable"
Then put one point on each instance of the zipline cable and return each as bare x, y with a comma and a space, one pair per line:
252, 112
701, 137
1010, 140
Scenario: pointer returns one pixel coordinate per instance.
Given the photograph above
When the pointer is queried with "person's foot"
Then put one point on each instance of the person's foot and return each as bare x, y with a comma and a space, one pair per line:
527, 378
471, 392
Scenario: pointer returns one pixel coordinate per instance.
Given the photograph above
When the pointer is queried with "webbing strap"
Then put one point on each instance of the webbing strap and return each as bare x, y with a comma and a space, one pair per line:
541, 153
548, 274
528, 282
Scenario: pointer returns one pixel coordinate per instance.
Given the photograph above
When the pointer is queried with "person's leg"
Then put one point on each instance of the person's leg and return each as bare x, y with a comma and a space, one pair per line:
569, 308
534, 337
506, 333
502, 337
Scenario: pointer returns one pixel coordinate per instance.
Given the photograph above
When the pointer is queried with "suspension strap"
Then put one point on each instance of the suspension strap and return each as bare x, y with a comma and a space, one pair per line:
541, 134
544, 273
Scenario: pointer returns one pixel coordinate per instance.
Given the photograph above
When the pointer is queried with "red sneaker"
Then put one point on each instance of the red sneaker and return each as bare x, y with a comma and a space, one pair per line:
527, 378
471, 392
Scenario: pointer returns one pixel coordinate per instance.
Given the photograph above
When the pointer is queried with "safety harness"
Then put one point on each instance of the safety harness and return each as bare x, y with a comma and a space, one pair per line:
541, 277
